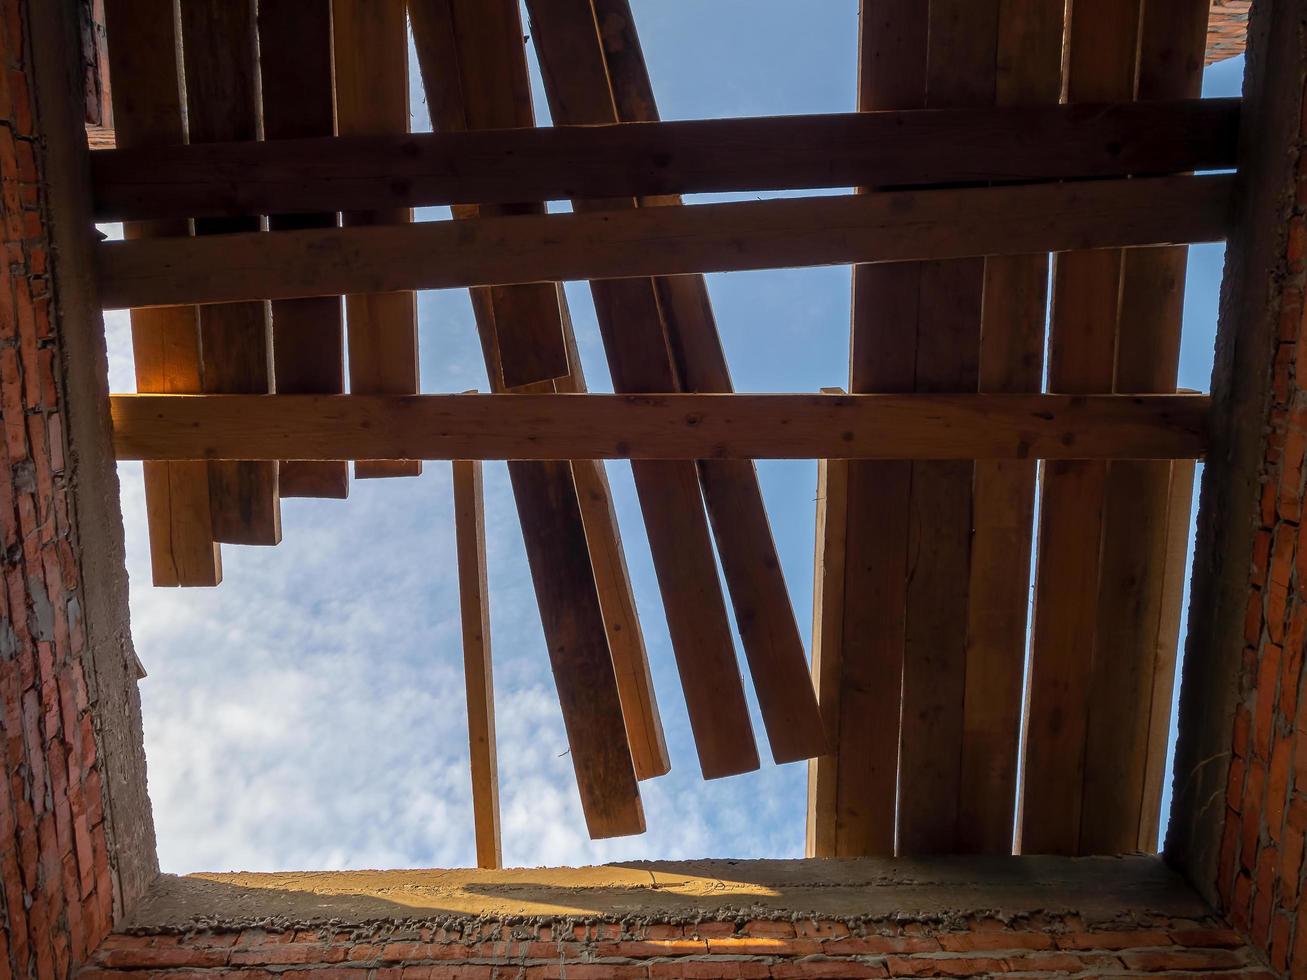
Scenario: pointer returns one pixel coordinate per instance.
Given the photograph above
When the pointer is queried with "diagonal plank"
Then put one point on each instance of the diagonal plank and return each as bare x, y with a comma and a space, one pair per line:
1130, 657
891, 75
1029, 70
657, 241
614, 80
961, 68
147, 106
456, 86
371, 64
474, 609
219, 44
1101, 63
460, 77
884, 149
307, 334
671, 501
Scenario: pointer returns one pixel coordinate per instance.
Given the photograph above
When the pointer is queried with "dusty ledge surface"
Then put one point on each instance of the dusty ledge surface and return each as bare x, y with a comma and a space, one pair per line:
939, 889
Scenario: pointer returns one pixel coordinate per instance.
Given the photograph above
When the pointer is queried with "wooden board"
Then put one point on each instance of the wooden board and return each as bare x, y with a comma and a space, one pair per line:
1029, 70
371, 64
961, 68
885, 149
307, 334
871, 228
474, 608
1137, 542
221, 74
595, 76
827, 646
1101, 60
165, 341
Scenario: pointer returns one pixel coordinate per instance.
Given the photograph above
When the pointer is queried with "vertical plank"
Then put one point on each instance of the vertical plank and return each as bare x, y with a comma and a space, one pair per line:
891, 75
1137, 550
575, 76
764, 613
550, 511
371, 64
307, 334
1028, 72
221, 72
437, 47
473, 594
1102, 50
827, 643
147, 107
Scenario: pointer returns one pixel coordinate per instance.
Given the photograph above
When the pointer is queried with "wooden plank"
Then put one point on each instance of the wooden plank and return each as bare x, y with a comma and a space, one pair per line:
871, 228
485, 41
221, 73
166, 341
1029, 70
578, 82
883, 149
883, 341
670, 496
961, 70
371, 64
827, 645
474, 608
1136, 539
308, 337
1101, 62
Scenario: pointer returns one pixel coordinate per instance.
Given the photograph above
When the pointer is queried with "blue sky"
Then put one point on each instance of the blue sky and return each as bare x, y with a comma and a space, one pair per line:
309, 712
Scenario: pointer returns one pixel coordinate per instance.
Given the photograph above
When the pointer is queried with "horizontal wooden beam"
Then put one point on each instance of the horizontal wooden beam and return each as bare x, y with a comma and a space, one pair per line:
716, 426
505, 166
488, 251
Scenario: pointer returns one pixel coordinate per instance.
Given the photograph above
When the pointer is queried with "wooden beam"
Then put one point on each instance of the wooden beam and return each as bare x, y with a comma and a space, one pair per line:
221, 73
1102, 51
597, 76
1137, 545
165, 341
961, 70
474, 608
371, 63
661, 427
892, 227
827, 646
1013, 318
308, 337
504, 166
503, 317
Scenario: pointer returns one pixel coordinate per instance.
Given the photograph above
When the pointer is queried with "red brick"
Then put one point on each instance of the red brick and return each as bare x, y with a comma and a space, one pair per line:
879, 945
1105, 939
1182, 959
1277, 784
830, 969
988, 942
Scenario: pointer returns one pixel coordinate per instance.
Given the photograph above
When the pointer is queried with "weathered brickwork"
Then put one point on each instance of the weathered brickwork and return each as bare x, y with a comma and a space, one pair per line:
1227, 29
708, 950
57, 896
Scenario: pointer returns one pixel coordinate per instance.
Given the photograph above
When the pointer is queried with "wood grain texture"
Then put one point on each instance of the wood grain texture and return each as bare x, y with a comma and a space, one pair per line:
650, 159
371, 63
221, 75
478, 674
1102, 51
961, 68
308, 335
871, 228
1028, 72
1137, 545
576, 84
147, 104
662, 427
497, 312
827, 647
609, 82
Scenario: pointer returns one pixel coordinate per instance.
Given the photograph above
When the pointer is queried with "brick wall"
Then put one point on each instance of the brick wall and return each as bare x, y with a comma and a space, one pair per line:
1048, 946
57, 896
1227, 29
